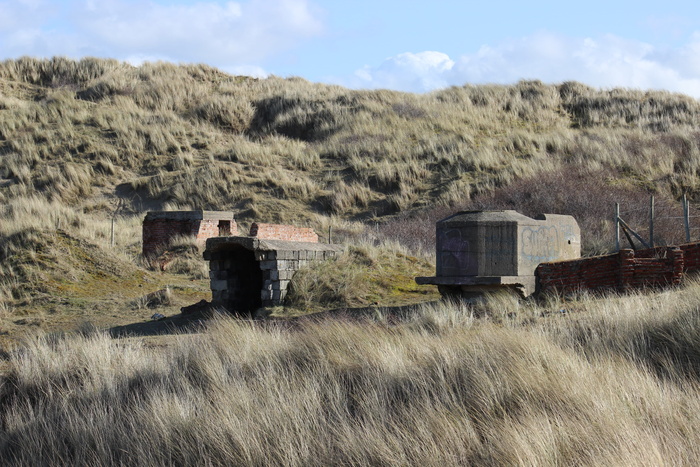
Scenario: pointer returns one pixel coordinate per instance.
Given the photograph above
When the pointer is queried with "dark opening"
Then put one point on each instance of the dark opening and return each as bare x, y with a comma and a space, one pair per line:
245, 280
224, 228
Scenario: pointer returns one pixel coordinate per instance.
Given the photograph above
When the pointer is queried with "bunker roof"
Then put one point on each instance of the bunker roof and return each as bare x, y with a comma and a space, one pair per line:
505, 215
189, 215
216, 244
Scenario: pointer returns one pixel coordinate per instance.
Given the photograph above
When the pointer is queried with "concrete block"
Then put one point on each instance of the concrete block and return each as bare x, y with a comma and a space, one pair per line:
276, 295
268, 265
283, 285
219, 285
274, 275
265, 295
267, 285
286, 274
285, 254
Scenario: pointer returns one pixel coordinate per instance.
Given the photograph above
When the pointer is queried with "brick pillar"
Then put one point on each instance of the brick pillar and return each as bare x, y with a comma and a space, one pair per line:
678, 258
626, 269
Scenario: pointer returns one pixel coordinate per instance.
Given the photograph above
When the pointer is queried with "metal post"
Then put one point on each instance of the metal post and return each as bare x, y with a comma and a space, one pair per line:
651, 221
617, 226
686, 218
330, 232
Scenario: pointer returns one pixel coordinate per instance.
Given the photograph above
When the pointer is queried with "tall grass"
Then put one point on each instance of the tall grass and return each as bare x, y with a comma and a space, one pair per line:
72, 131
613, 384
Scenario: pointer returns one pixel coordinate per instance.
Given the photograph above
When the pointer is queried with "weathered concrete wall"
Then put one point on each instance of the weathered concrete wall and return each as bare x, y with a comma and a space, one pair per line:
248, 273
503, 243
620, 271
282, 232
159, 227
483, 250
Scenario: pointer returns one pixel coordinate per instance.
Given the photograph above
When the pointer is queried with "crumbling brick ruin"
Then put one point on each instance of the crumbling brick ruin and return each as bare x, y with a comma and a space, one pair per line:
159, 227
283, 232
246, 273
621, 271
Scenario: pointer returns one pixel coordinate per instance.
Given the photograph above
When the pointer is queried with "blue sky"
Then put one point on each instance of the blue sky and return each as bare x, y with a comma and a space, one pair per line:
406, 45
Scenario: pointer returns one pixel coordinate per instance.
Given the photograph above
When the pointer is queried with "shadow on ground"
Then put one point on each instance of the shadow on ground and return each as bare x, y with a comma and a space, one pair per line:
176, 324
195, 321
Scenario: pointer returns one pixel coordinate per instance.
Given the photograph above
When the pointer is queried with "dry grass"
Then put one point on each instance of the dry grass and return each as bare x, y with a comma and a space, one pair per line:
614, 383
364, 275
188, 136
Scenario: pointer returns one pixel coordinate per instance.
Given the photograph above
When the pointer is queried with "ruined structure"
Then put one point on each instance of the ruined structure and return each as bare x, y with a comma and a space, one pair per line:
159, 227
251, 272
621, 272
482, 251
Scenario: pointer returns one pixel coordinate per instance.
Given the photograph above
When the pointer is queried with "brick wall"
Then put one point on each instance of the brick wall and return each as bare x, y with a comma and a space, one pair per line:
158, 232
621, 271
691, 256
283, 232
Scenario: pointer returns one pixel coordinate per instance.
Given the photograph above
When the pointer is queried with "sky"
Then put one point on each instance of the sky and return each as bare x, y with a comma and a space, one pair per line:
414, 46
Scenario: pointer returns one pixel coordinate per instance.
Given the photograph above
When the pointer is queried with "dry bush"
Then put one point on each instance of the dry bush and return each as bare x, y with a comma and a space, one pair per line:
588, 195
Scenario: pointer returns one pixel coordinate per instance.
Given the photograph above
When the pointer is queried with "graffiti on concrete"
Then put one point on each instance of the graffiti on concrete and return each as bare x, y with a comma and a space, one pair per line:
455, 254
540, 244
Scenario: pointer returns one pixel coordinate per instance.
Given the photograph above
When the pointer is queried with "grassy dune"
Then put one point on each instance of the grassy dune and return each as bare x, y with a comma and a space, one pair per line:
375, 379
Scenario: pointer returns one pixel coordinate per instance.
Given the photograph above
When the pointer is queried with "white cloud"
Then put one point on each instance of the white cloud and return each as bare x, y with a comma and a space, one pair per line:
419, 72
225, 34
605, 61
247, 70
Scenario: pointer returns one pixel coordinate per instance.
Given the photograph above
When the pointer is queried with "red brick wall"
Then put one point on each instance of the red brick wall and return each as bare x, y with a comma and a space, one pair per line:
624, 270
691, 256
283, 232
158, 232
210, 228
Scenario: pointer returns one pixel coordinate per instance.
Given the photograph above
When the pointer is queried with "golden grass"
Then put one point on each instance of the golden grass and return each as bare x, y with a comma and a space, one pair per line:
192, 136
614, 382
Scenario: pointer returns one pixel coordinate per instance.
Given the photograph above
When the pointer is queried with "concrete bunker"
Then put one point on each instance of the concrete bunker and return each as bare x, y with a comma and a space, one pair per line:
484, 251
248, 273
159, 227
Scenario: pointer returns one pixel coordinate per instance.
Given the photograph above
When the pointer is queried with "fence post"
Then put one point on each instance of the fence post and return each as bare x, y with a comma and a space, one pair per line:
617, 226
112, 242
651, 221
686, 218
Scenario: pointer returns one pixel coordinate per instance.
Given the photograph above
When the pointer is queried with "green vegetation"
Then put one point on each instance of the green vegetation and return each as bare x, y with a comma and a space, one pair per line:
378, 378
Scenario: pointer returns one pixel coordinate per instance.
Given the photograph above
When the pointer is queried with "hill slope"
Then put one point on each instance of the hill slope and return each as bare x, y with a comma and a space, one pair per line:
89, 132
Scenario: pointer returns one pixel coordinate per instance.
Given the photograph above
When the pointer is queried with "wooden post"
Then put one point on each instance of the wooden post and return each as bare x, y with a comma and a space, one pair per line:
651, 221
330, 232
617, 226
686, 218
112, 242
